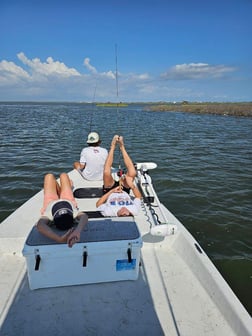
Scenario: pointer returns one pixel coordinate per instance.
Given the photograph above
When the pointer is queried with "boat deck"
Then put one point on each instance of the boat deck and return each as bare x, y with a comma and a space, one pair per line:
178, 290
152, 305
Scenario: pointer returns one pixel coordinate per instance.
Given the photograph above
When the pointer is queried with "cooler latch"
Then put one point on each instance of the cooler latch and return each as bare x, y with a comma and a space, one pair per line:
85, 255
129, 251
37, 260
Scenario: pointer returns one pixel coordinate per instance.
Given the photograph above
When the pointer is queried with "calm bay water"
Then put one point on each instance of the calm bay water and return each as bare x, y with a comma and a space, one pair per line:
203, 175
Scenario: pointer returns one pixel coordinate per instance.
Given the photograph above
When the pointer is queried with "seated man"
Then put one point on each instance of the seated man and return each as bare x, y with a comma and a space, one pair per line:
92, 158
61, 209
116, 200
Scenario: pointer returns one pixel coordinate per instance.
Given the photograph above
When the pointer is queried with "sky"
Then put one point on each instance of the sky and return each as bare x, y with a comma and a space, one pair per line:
126, 50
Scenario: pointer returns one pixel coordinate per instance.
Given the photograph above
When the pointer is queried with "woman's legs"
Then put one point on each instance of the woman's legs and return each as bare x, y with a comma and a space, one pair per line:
108, 180
66, 188
131, 171
51, 190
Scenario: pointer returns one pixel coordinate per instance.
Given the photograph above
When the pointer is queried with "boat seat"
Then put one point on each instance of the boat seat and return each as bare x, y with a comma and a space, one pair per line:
88, 192
93, 214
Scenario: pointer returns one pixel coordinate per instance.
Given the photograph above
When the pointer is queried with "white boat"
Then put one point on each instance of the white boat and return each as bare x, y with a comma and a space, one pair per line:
175, 291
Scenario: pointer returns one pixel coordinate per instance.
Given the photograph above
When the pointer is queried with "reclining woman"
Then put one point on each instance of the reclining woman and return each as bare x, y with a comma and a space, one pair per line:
60, 209
116, 200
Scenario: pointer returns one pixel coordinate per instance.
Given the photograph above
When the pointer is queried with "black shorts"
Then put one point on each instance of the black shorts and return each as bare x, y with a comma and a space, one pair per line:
116, 184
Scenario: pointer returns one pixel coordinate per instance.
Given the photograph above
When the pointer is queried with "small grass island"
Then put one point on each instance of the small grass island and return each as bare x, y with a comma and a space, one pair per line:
243, 109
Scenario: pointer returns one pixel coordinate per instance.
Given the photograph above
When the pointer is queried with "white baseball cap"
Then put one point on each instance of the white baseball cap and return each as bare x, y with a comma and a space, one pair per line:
93, 137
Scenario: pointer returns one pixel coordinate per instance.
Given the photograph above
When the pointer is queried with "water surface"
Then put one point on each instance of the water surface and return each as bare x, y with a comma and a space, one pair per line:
203, 175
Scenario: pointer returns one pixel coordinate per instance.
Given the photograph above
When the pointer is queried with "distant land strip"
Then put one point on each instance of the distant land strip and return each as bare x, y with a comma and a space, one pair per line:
229, 109
112, 104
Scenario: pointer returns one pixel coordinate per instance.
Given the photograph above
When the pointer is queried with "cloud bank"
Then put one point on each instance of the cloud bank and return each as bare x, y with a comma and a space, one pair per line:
50, 67
196, 71
33, 79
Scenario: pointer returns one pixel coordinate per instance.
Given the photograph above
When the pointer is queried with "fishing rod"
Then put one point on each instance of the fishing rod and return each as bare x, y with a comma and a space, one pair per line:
120, 173
91, 120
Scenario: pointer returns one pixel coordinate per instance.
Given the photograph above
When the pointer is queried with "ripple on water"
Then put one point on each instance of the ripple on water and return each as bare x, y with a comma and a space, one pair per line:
203, 175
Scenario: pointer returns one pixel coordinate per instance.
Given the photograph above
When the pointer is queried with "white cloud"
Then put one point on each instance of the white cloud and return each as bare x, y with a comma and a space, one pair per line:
87, 64
138, 77
50, 67
109, 74
10, 73
53, 80
196, 71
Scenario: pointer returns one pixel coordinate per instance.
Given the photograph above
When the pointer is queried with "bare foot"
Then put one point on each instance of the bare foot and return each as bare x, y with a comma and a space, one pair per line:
115, 140
120, 140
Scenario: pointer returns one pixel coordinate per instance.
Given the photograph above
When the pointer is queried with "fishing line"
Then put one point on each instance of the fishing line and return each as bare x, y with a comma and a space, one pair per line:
117, 93
92, 110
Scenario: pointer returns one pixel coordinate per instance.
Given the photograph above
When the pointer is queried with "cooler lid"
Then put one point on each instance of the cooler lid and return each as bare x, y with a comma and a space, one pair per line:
97, 230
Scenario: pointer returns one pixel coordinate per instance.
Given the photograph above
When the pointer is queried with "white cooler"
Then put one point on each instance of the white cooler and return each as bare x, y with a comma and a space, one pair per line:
109, 250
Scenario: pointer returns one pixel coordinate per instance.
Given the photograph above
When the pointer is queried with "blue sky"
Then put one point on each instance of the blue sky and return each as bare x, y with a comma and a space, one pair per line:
166, 50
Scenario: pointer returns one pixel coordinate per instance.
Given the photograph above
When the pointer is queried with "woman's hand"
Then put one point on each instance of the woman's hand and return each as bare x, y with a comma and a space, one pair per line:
73, 238
63, 238
117, 189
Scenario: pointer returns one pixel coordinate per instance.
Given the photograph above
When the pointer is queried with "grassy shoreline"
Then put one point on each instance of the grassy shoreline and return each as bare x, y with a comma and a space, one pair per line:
242, 109
231, 109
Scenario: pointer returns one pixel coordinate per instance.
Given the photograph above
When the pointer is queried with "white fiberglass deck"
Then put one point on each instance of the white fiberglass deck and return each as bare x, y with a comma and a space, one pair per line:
167, 299
155, 304
178, 291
